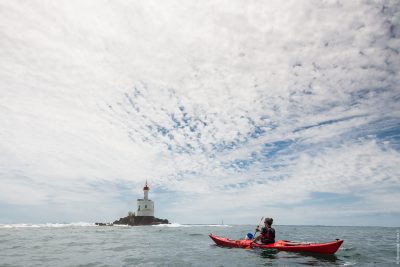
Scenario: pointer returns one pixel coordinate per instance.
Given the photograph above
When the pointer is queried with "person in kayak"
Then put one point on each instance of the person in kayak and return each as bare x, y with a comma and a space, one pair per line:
267, 235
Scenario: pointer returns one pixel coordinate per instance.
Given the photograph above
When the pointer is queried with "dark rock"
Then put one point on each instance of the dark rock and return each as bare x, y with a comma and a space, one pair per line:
103, 224
133, 220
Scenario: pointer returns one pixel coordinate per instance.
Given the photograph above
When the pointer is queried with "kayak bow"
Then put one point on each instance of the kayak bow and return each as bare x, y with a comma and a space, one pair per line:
285, 245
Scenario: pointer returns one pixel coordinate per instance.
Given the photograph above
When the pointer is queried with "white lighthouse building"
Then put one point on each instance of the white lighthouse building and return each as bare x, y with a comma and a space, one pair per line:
145, 206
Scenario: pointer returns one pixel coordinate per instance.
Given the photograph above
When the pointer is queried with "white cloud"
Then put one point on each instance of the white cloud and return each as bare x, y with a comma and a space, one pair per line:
212, 101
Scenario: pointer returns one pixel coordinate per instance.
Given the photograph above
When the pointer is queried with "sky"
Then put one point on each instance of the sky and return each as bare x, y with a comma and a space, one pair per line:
232, 110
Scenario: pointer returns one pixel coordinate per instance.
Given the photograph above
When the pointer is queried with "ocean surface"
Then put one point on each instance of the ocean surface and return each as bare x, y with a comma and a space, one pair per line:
83, 244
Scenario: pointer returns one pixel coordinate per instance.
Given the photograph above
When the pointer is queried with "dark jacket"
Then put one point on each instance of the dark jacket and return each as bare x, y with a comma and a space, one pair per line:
267, 235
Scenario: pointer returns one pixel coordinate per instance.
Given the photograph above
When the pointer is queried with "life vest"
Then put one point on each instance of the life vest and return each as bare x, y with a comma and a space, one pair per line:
267, 235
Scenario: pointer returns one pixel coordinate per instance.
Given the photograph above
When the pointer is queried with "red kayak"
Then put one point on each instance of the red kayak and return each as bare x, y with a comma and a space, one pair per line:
323, 248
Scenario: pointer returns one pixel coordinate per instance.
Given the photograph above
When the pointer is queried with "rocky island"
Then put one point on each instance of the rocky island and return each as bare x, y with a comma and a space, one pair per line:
133, 220
144, 213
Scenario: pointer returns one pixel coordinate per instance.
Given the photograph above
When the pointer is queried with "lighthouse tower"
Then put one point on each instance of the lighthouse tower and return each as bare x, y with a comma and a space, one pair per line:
145, 206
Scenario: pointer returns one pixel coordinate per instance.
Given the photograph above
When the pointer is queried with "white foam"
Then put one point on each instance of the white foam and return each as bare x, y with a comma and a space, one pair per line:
121, 225
86, 224
29, 225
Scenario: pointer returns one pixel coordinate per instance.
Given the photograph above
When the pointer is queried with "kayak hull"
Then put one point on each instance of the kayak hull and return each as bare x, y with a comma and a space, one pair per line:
284, 245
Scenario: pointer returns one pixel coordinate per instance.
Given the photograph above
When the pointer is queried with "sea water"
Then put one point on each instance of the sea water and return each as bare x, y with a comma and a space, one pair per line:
84, 244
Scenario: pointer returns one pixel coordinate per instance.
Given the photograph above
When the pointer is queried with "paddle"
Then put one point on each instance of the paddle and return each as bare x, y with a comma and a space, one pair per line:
255, 232
258, 227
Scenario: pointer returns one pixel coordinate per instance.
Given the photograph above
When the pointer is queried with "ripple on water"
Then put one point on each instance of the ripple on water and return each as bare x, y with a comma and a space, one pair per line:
91, 264
130, 260
184, 246
122, 248
196, 234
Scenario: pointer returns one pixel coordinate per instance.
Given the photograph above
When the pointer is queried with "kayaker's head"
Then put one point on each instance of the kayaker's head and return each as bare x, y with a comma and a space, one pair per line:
268, 221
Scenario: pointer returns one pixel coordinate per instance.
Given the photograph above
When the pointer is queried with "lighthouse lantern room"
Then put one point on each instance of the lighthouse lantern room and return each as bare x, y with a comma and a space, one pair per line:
145, 206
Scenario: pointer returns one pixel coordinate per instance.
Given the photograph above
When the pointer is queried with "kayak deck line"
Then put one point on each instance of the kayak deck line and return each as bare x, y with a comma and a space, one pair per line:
284, 245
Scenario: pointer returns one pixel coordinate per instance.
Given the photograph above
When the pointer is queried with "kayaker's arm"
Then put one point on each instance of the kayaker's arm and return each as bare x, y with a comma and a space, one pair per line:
255, 239
255, 232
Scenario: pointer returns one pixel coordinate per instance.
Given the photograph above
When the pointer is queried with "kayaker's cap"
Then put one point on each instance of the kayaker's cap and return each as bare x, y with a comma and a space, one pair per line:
268, 221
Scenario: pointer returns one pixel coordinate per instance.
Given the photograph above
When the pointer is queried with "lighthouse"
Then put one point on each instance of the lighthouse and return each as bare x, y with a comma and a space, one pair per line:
145, 206
144, 214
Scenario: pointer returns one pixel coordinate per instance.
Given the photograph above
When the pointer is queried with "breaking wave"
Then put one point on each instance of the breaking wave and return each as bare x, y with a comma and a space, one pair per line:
86, 224
42, 225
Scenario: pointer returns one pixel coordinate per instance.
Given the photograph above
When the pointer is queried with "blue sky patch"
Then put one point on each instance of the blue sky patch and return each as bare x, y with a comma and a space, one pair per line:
271, 149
